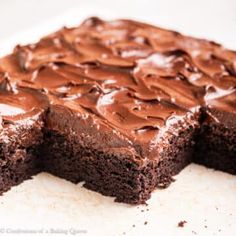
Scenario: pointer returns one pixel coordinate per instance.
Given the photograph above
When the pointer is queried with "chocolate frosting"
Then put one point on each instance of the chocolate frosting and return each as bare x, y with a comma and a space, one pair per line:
19, 104
132, 76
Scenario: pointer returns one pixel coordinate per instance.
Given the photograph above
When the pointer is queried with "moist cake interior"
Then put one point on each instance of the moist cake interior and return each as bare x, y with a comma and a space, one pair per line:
121, 105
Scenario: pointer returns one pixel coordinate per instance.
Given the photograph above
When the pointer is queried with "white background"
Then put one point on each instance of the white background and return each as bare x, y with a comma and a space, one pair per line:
214, 19
203, 197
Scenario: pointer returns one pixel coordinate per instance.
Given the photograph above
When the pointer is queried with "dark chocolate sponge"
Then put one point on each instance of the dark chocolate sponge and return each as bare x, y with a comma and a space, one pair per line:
131, 104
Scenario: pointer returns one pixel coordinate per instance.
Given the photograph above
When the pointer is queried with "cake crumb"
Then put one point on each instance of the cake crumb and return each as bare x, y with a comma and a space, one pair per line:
145, 222
182, 223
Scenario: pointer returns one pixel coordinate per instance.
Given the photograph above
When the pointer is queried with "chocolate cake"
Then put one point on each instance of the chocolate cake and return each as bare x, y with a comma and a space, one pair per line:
130, 106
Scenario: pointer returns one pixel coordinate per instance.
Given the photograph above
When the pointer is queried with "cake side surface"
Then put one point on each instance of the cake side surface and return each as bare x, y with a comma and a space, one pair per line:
216, 145
22, 112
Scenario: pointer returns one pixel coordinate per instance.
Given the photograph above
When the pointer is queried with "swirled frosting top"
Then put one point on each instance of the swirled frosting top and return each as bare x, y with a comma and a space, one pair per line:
19, 104
131, 75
